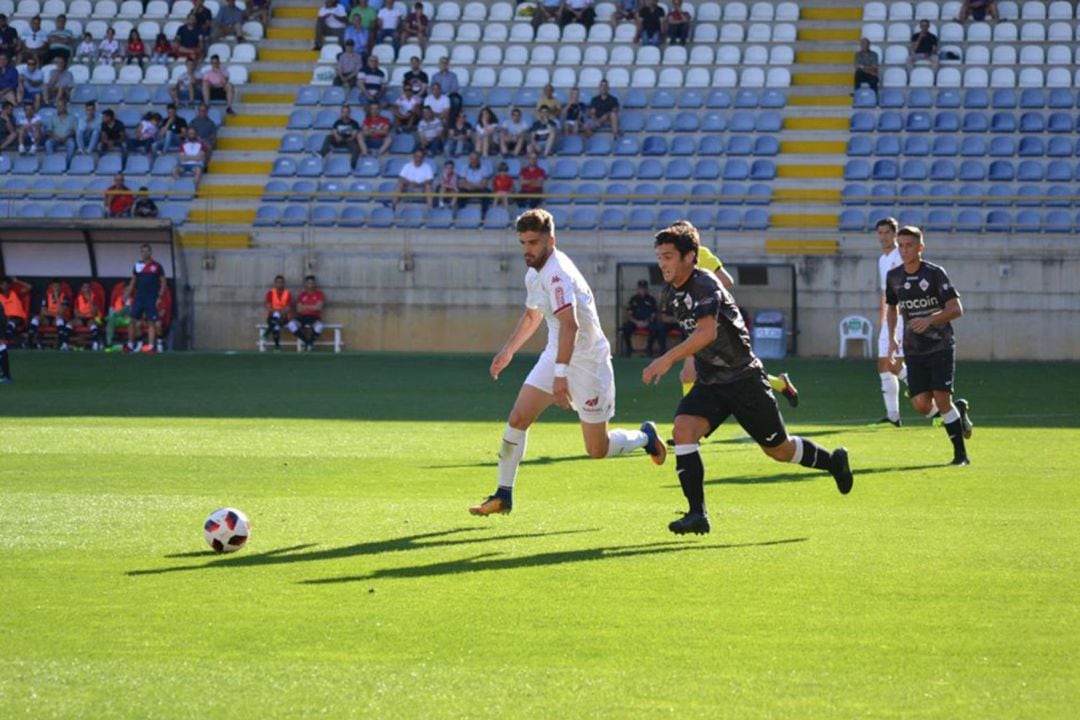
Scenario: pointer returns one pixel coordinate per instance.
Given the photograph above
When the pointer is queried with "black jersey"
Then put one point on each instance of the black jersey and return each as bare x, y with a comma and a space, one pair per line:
641, 307
729, 358
919, 294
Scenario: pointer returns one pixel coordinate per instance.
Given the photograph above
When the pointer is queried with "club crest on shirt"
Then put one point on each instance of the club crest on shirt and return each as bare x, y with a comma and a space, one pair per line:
924, 285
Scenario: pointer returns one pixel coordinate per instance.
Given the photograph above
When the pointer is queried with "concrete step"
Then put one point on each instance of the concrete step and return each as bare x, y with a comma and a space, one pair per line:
834, 123
801, 246
201, 240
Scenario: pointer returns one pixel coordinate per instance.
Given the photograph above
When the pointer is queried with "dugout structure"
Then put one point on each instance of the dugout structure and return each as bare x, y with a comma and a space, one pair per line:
758, 287
76, 251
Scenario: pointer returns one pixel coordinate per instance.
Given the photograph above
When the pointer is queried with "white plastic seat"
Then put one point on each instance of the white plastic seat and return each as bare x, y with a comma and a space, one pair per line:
30, 8
516, 55
542, 55
782, 55
921, 77
1032, 32
724, 78
1003, 78
385, 53
756, 55
568, 55
646, 55
468, 32
590, 78
154, 75
1058, 77
622, 55
80, 10
130, 10
601, 33
148, 30
484, 77
874, 12
729, 32
1059, 55
434, 52
54, 7
894, 77
81, 74
252, 30
728, 55
670, 78
624, 32
96, 28
223, 51
442, 32
463, 55
697, 77
901, 11
548, 33
1006, 55
778, 77
489, 55
784, 33
475, 11
104, 75
181, 9
123, 28
702, 33
238, 75
521, 32
618, 78
103, 10
735, 12
595, 55
564, 77
709, 12
1060, 10
759, 32
762, 12
407, 53
604, 11
447, 11
896, 55
643, 79
329, 53
496, 32
951, 8
1029, 55
856, 328
574, 32
976, 78
787, 12
927, 10
501, 12
177, 71
537, 77
977, 55
1060, 32
674, 55
1004, 32
1032, 10
701, 55
898, 33
875, 32
979, 32
952, 32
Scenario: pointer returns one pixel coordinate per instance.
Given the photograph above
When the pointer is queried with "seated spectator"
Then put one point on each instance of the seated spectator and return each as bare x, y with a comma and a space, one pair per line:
641, 314
543, 134
406, 110
604, 110
35, 42
204, 19
513, 134
10, 82
650, 24
575, 115
56, 311
119, 317
89, 130
448, 185
415, 176
60, 84
547, 11
577, 11
187, 86
163, 50
429, 133
349, 65
62, 41
487, 131
86, 53
307, 325
532, 182
145, 207
376, 132
173, 128
258, 11
88, 315
978, 10
473, 181
447, 81
32, 83
193, 156
459, 138
344, 134
358, 37
9, 131
189, 41
59, 131
9, 42
924, 46
368, 15
109, 48
28, 124
279, 310
374, 81
12, 312
205, 128
866, 66
387, 21
216, 85
502, 185
229, 21
416, 25
549, 101
415, 77
678, 24
118, 197
330, 22
625, 11
438, 103
135, 50
146, 133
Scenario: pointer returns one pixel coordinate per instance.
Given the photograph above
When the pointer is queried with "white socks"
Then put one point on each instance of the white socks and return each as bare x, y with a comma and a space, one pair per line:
621, 442
950, 417
510, 454
890, 389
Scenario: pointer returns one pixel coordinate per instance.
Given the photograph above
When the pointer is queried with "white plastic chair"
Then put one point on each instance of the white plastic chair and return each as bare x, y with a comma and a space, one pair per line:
1032, 32
856, 328
104, 75
618, 78
1031, 55
752, 77
674, 55
1032, 10
463, 55
475, 11
724, 78
731, 33
977, 55
590, 78
1060, 10
762, 11
574, 32
643, 79
447, 11
874, 12
756, 55
875, 32
901, 11
537, 77
516, 55
568, 55
778, 77
442, 32
646, 55
547, 33
542, 55
595, 55
895, 77
484, 77
1060, 32
1031, 77
501, 12
623, 55
79, 10
701, 55
1003, 78
927, 10
468, 32
787, 12
496, 32
728, 55
980, 32
976, 78
600, 33
1059, 55
1006, 55
735, 12
784, 33
697, 77
670, 78
702, 33
155, 75
1058, 77
521, 33
490, 55
564, 77
782, 55
709, 12
130, 10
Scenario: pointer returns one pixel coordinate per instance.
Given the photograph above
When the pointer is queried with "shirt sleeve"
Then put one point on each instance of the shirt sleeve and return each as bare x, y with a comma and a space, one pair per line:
560, 293
706, 299
890, 294
946, 290
883, 271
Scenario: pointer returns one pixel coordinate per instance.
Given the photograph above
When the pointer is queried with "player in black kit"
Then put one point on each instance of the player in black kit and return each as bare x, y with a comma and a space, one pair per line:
922, 293
730, 379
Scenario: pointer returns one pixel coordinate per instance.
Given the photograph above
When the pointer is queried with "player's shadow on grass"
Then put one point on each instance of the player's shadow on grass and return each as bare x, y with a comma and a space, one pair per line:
810, 475
492, 561
296, 554
543, 460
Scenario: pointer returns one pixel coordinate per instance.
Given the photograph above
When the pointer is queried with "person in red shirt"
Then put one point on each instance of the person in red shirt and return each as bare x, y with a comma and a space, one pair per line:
532, 182
375, 132
502, 185
307, 325
55, 310
278, 303
118, 198
88, 315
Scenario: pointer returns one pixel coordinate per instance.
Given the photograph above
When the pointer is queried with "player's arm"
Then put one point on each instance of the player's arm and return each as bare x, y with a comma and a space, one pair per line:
163, 285
890, 323
568, 329
526, 325
703, 336
952, 310
725, 277
130, 288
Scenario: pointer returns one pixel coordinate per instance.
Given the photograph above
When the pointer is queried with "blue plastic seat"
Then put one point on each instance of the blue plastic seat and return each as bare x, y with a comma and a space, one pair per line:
71, 188
267, 215
862, 122
946, 121
55, 164
758, 194
283, 167
592, 169
1034, 99
641, 219
686, 122
1003, 99
558, 193
291, 143
1059, 171
1030, 171
1006, 147
500, 97
998, 221
970, 194
766, 146
772, 99
701, 218
650, 169
413, 216
944, 146
367, 167
621, 169
1027, 221
914, 170
42, 188
1057, 221
677, 169
564, 169
890, 121
714, 122
736, 170
632, 121
917, 145
883, 194
746, 98
330, 191
657, 122
739, 145
703, 193
763, 170
943, 170
683, 145
107, 165
768, 121
302, 191
599, 145
973, 146
526, 96
1057, 122
352, 216
310, 167
1056, 147
732, 193
853, 194
741, 121
654, 145
728, 219
307, 95
918, 122
381, 217
636, 98
1060, 99
972, 171
336, 166
852, 220
663, 99
1032, 122
969, 221
571, 145
1003, 122
866, 98
885, 170
976, 122
718, 99
887, 146
323, 216
707, 169
613, 219
584, 218
912, 194
1002, 171
939, 220
275, 190
911, 216
999, 195
300, 120
472, 97
976, 99
755, 219
627, 145
857, 170
920, 99
947, 98
859, 146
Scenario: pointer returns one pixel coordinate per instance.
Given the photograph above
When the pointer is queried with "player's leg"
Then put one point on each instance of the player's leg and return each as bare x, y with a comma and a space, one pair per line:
5, 367
592, 393
95, 332
316, 331
151, 327
782, 384
687, 433
890, 383
32, 332
63, 333
954, 416
273, 323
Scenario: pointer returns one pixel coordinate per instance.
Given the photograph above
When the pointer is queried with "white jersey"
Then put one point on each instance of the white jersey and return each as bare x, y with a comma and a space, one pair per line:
558, 285
886, 263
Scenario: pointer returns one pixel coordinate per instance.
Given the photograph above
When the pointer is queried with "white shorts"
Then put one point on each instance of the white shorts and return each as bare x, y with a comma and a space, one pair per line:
592, 387
883, 339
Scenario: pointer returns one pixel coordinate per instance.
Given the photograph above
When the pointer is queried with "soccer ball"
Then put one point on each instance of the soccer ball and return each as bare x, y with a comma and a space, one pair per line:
226, 530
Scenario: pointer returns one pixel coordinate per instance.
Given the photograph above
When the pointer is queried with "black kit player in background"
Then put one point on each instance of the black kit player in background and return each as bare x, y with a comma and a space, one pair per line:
730, 379
923, 294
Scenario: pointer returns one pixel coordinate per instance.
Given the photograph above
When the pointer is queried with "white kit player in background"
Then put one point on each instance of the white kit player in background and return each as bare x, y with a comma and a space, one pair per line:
574, 370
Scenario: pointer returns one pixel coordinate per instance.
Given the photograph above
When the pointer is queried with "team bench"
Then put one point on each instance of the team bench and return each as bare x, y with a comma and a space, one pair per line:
262, 341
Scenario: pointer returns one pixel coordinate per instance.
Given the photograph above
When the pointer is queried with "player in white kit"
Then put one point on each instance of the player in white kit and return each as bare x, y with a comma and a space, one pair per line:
890, 368
574, 370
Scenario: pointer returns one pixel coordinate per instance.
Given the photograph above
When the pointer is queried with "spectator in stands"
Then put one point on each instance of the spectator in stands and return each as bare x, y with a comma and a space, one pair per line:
448, 185
11, 307
429, 132
650, 24
349, 65
978, 10
543, 134
487, 131
31, 84
163, 50
145, 207
88, 315
387, 21
359, 37
28, 123
866, 66
547, 11
10, 81
416, 25
368, 15
307, 325
438, 103
447, 81
415, 77
549, 101
375, 132
146, 133
258, 11
513, 134
204, 19
35, 42
415, 177
113, 135
193, 156
216, 85
532, 182
502, 185
9, 132
56, 311
205, 128
459, 137
604, 110
575, 115
146, 289
229, 21
86, 53
189, 41
473, 181
625, 10
374, 81
109, 48
406, 110
62, 41
89, 129
118, 198
60, 84
278, 303
678, 24
577, 11
173, 127
330, 22
924, 46
135, 50
641, 314
9, 40
59, 130
344, 134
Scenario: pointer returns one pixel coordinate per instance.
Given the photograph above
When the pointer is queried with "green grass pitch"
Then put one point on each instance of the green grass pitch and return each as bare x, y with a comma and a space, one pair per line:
367, 591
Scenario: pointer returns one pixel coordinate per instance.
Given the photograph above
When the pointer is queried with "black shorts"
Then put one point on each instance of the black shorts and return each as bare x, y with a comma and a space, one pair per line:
218, 93
751, 401
933, 371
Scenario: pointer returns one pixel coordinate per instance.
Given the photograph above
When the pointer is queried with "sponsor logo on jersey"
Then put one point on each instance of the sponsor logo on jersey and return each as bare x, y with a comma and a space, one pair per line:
592, 403
560, 297
919, 303
924, 285
555, 279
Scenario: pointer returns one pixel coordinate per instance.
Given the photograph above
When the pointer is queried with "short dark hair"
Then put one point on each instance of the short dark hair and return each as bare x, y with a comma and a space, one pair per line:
683, 236
535, 220
279, 277
147, 246
309, 277
109, 113
911, 231
889, 222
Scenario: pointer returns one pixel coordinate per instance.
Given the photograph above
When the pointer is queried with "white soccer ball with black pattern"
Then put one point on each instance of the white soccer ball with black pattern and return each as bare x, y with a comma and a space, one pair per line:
226, 530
